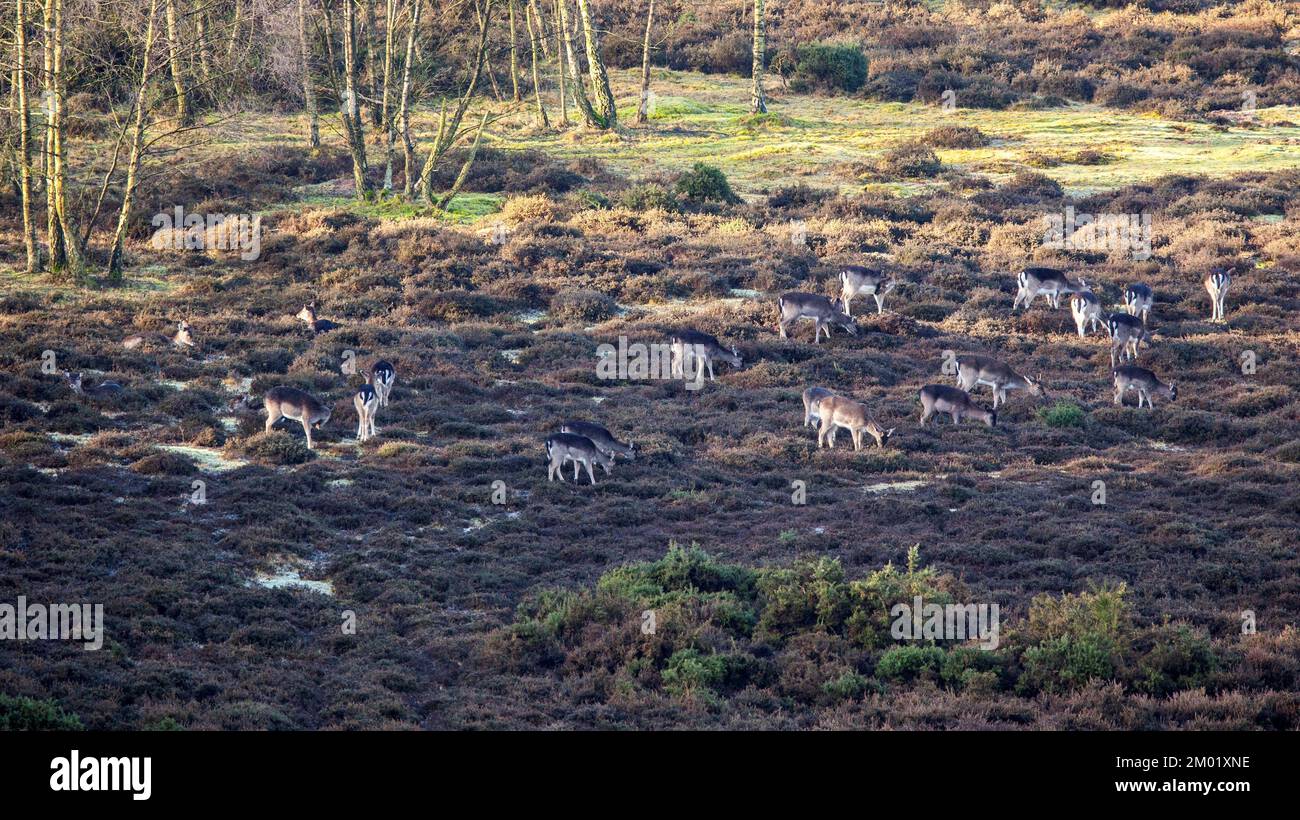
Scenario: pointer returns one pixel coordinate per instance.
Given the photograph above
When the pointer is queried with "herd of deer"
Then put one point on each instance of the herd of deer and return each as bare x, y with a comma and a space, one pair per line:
587, 444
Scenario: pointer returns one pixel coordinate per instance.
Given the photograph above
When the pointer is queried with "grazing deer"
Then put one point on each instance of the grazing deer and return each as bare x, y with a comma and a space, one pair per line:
601, 437
824, 313
103, 390
1049, 281
940, 398
688, 345
812, 399
973, 370
1138, 300
181, 339
296, 405
1216, 284
1085, 307
1126, 334
382, 376
1131, 377
308, 315
564, 446
367, 403
855, 279
837, 412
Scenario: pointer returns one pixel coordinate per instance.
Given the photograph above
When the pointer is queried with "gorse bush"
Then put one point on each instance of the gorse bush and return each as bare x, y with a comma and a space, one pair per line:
705, 183
830, 65
1062, 414
19, 714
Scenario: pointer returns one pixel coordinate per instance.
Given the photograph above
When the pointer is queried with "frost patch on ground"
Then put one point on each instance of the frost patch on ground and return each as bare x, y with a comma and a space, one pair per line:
207, 458
286, 573
902, 486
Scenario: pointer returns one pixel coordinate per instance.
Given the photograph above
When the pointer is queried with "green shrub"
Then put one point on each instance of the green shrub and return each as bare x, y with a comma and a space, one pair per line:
955, 136
848, 686
691, 674
582, 305
909, 160
650, 197
1180, 658
276, 448
831, 65
909, 662
19, 714
705, 183
1062, 414
1077, 639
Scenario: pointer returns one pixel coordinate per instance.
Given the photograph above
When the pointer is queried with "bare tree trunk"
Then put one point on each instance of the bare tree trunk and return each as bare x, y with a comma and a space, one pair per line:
115, 254
234, 29
534, 35
589, 114
514, 56
183, 113
559, 67
596, 69
58, 255
372, 70
487, 63
464, 169
390, 29
308, 85
408, 149
201, 42
757, 102
24, 138
449, 131
643, 110
351, 108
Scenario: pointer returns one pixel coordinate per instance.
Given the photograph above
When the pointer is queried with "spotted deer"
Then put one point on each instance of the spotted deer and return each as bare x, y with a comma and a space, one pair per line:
1138, 300
103, 390
382, 377
823, 312
940, 398
308, 315
1144, 382
295, 405
367, 403
812, 399
1126, 334
1216, 284
601, 437
1051, 282
561, 447
1085, 307
855, 279
973, 370
837, 412
183, 338
688, 346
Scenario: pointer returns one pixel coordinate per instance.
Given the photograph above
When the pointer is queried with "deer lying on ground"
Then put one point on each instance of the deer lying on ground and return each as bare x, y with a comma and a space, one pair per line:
1126, 334
308, 315
1216, 284
973, 370
601, 437
101, 391
181, 339
1048, 281
1138, 299
824, 313
940, 398
564, 446
382, 377
1085, 307
837, 412
296, 405
367, 403
688, 346
812, 399
855, 279
1131, 377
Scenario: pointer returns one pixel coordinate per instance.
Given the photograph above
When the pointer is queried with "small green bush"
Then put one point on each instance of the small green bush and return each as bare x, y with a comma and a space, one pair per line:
19, 714
909, 160
1062, 414
907, 663
276, 447
650, 197
831, 65
705, 183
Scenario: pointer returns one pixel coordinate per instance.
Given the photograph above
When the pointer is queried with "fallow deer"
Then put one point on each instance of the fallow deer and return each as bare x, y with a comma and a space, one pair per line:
1085, 307
367, 403
688, 345
1138, 299
101, 391
295, 405
837, 412
601, 437
561, 447
1126, 334
1131, 377
973, 370
308, 315
855, 279
382, 377
824, 313
183, 338
940, 398
1049, 281
1216, 284
812, 399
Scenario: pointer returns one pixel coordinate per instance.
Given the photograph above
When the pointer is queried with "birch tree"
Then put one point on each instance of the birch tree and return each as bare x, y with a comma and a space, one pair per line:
757, 102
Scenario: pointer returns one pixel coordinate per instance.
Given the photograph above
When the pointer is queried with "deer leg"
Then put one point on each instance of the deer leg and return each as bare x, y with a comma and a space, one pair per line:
880, 303
590, 474
927, 410
857, 439
710, 362
271, 418
306, 428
